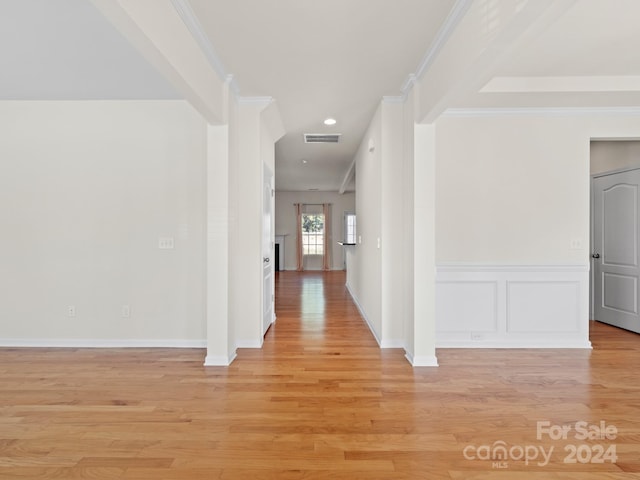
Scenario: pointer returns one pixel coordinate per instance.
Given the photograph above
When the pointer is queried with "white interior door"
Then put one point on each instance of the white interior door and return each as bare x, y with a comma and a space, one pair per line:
615, 249
267, 252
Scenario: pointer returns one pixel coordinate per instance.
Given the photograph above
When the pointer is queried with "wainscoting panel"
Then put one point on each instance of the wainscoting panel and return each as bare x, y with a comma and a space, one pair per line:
539, 307
478, 312
512, 306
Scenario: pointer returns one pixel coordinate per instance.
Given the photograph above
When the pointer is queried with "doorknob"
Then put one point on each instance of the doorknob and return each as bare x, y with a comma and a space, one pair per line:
265, 259
596, 255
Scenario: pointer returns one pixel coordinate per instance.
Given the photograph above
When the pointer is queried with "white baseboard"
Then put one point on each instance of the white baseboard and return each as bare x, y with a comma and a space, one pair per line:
422, 360
489, 306
249, 343
332, 269
219, 360
99, 343
392, 343
363, 314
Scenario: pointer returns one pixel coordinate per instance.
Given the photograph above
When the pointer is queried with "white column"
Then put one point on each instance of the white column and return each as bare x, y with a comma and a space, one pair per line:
220, 344
424, 350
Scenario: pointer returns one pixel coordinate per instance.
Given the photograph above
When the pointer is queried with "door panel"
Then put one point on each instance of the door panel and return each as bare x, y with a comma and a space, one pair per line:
267, 247
620, 216
615, 248
620, 292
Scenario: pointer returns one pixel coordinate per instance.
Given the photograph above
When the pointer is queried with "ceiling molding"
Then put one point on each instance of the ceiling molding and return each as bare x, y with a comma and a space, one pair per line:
348, 176
549, 84
408, 84
456, 14
545, 111
189, 18
257, 101
394, 99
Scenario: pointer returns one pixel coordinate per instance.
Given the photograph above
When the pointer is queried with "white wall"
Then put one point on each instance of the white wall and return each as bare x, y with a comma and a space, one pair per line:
392, 282
366, 282
253, 131
512, 190
512, 226
221, 348
286, 223
245, 241
392, 218
86, 190
407, 243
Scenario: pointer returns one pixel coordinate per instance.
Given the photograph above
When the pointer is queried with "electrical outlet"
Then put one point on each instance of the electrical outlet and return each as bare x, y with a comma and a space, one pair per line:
477, 337
575, 244
71, 310
165, 243
126, 311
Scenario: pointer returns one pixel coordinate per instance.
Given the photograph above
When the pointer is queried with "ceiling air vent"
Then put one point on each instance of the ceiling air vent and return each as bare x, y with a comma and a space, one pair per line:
321, 137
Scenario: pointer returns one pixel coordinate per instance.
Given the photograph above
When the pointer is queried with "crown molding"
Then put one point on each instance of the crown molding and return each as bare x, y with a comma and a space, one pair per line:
408, 84
257, 101
189, 18
456, 14
394, 99
545, 111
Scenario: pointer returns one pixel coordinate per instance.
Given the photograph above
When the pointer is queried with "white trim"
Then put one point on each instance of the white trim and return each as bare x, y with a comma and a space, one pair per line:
484, 268
422, 360
394, 99
219, 361
257, 101
393, 343
563, 84
363, 314
408, 84
250, 343
545, 111
95, 343
347, 177
383, 344
190, 19
457, 13
539, 344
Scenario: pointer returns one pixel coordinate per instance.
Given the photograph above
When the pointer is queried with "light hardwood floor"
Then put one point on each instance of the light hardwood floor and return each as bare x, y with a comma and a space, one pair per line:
319, 401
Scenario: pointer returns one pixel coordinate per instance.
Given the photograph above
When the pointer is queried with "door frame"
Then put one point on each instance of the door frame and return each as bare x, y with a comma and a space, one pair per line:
592, 270
267, 173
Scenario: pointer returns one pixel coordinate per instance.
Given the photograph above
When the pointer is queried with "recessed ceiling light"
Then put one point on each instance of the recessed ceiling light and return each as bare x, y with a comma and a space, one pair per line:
304, 160
330, 121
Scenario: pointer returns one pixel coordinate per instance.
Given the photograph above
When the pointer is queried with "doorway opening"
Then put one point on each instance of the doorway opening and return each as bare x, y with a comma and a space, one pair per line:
615, 233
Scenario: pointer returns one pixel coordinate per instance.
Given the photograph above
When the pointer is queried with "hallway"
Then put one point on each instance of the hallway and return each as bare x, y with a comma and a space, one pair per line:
319, 401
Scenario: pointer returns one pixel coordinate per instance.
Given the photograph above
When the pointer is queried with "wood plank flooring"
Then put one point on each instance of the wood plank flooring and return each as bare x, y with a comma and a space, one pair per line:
319, 401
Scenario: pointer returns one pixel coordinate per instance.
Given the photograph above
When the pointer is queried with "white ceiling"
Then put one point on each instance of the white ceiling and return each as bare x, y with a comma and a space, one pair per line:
588, 57
317, 59
334, 58
66, 50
